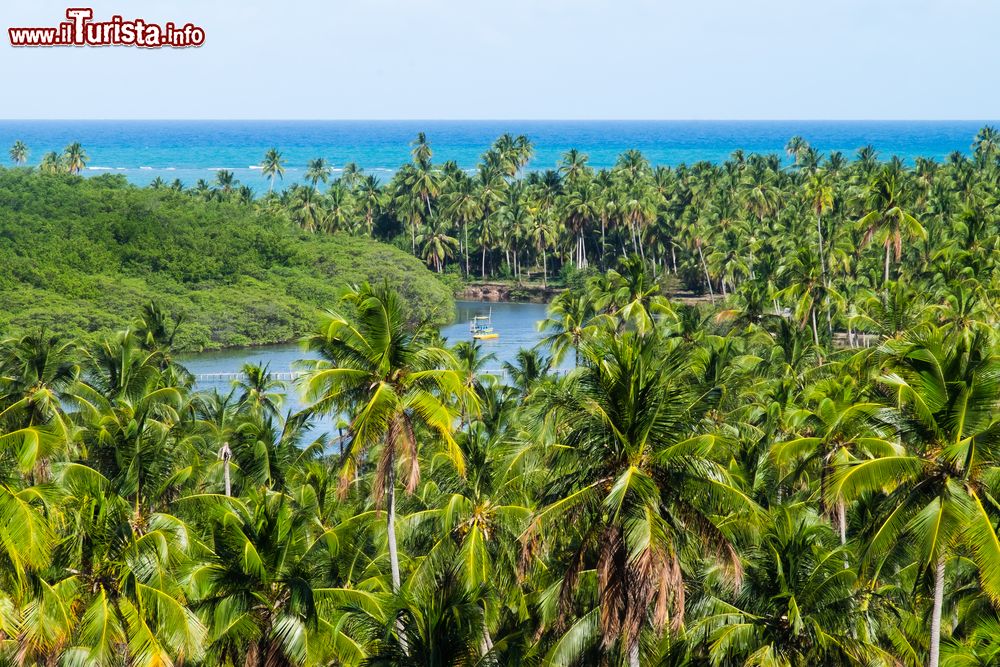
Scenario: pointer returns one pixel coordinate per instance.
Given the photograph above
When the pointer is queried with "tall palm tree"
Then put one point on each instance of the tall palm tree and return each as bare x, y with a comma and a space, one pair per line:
18, 153
317, 171
463, 204
935, 489
632, 462
380, 370
226, 181
436, 245
273, 166
75, 158
888, 221
820, 194
51, 163
370, 200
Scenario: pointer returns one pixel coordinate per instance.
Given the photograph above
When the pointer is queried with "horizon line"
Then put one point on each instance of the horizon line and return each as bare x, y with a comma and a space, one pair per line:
509, 120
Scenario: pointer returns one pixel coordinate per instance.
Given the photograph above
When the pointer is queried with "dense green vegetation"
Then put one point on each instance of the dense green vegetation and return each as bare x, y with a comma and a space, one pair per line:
83, 255
707, 487
803, 469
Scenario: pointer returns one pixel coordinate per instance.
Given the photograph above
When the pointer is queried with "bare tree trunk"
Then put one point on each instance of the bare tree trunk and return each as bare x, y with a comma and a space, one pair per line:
936, 613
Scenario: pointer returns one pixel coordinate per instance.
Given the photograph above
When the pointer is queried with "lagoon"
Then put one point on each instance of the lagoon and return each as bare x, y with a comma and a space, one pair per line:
517, 324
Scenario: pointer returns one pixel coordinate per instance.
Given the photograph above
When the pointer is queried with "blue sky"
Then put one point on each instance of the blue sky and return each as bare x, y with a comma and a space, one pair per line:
499, 59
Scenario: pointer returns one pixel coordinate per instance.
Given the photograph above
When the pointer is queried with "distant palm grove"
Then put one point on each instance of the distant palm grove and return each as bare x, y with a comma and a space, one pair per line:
778, 444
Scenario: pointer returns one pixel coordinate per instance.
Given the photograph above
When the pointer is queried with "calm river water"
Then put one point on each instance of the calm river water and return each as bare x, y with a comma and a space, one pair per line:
515, 322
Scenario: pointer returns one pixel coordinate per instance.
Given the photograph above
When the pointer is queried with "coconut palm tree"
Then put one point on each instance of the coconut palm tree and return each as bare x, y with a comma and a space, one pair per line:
381, 371
370, 200
632, 462
317, 171
436, 245
463, 204
934, 488
798, 604
888, 221
75, 158
273, 166
18, 153
820, 194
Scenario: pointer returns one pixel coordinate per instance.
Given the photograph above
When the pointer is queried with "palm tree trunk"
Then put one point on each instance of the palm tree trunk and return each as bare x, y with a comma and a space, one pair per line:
633, 654
885, 274
466, 228
812, 315
673, 257
391, 525
604, 246
393, 552
842, 521
822, 264
486, 643
483, 271
226, 454
708, 278
545, 270
936, 613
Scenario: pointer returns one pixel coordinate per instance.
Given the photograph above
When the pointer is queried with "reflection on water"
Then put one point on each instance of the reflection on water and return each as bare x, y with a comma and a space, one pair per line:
517, 324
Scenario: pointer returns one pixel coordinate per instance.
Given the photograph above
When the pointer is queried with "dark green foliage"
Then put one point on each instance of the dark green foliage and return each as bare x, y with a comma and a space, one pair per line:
83, 255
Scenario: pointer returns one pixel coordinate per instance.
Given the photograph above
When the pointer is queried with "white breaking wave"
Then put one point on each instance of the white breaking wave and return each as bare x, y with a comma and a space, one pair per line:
98, 168
147, 168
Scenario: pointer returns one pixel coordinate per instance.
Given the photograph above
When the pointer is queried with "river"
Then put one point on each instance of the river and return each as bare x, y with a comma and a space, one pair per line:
515, 322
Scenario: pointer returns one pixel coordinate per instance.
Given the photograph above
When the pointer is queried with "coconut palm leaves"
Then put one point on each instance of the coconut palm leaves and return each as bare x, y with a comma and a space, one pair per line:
379, 369
627, 475
944, 391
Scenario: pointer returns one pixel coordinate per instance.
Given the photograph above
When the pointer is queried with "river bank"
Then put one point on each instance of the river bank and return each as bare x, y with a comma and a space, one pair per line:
510, 292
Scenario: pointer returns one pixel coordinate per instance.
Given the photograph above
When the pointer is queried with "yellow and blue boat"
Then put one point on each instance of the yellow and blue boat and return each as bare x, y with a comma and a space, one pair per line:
481, 327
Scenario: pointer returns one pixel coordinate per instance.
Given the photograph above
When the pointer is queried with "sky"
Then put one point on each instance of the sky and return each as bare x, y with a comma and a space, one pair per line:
519, 59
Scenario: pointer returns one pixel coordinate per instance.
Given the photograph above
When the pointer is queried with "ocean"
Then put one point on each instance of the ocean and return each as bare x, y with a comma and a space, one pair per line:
192, 150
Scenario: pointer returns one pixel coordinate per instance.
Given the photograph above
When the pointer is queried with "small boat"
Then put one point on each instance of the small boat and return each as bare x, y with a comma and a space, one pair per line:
481, 327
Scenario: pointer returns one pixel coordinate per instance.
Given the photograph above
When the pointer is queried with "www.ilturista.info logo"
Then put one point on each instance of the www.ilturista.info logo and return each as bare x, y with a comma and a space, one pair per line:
80, 30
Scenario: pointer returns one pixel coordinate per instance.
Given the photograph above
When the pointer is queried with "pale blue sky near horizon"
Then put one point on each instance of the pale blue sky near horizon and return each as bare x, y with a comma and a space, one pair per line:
519, 59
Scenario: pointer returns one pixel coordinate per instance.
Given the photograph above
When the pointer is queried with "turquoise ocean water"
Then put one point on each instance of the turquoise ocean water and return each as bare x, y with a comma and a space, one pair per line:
190, 150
